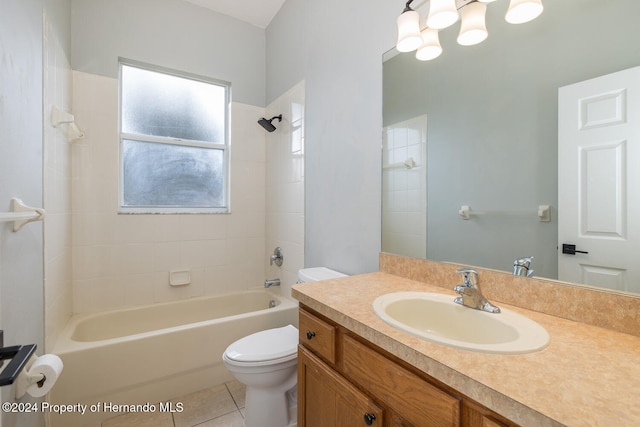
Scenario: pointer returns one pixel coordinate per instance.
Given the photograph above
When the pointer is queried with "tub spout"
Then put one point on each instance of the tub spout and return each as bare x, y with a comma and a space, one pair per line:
273, 282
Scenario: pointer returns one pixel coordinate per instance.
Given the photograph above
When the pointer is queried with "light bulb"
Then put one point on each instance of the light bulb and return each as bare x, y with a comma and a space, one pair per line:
430, 48
408, 31
442, 14
473, 29
521, 11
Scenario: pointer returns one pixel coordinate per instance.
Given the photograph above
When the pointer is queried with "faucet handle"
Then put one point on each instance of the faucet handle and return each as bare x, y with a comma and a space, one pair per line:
521, 267
470, 277
277, 257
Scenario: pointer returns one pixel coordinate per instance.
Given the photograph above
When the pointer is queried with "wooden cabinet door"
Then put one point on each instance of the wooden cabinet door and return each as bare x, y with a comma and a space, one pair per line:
325, 399
401, 391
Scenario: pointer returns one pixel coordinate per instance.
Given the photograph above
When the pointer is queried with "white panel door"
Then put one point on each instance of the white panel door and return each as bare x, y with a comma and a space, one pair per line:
599, 181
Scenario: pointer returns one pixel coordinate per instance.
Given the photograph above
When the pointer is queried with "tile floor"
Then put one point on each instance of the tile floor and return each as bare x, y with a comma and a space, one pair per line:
219, 406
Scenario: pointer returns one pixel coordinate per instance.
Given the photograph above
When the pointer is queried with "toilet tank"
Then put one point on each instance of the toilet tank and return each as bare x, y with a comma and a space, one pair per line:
317, 273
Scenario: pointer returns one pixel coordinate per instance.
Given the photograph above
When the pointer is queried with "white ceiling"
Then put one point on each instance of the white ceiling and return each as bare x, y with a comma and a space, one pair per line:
256, 12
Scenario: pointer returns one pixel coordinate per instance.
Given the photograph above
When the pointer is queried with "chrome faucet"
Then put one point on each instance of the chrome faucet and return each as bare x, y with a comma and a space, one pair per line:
270, 283
277, 257
471, 294
521, 267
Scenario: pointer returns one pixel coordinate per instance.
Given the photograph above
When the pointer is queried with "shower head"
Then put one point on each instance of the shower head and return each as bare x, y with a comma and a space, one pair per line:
267, 123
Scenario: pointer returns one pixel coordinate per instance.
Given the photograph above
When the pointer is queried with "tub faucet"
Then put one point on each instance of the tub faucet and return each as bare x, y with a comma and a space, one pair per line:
270, 283
521, 267
471, 294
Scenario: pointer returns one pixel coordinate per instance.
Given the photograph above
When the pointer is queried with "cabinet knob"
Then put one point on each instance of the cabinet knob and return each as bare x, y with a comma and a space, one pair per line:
310, 335
369, 418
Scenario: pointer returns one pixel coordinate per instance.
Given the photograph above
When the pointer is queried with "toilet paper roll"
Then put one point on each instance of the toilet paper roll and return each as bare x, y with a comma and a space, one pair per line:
48, 365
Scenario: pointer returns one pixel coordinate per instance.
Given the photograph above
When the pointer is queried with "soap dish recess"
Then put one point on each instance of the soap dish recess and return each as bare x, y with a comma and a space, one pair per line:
179, 277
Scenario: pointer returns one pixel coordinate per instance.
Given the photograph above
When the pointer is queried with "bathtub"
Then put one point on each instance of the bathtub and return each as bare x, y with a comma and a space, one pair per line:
155, 353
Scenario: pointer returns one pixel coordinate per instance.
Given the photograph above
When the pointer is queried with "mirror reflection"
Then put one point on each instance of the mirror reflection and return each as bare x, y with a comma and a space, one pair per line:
478, 127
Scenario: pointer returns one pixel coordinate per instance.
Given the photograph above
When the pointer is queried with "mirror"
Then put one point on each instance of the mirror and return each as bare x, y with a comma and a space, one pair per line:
489, 117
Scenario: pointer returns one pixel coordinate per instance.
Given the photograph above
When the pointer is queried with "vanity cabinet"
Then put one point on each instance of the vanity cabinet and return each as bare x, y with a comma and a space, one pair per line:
345, 381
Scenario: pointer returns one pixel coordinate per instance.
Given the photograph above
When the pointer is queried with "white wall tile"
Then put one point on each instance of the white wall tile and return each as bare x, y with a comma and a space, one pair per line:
285, 187
57, 87
404, 214
223, 252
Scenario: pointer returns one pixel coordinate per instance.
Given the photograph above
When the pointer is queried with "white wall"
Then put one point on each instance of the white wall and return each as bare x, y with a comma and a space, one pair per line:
337, 47
21, 172
21, 169
171, 33
56, 186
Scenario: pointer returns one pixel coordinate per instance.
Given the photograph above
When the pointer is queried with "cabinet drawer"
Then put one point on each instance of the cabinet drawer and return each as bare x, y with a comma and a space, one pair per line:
318, 335
403, 392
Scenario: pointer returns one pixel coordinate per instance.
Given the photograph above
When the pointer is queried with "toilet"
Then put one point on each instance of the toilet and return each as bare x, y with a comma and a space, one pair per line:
266, 362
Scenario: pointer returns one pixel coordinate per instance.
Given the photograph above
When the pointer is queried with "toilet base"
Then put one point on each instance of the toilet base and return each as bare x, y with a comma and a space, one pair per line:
264, 408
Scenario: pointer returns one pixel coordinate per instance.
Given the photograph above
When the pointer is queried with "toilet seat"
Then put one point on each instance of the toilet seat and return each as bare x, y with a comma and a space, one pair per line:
265, 347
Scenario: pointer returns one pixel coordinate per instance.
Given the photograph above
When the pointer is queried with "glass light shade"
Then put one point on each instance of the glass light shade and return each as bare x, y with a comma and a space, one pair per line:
408, 31
473, 29
430, 48
521, 11
442, 14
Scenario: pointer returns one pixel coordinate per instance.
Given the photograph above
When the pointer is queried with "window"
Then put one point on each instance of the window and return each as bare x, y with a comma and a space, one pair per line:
174, 149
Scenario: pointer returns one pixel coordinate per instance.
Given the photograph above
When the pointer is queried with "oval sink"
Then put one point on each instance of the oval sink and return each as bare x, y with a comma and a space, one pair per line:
437, 318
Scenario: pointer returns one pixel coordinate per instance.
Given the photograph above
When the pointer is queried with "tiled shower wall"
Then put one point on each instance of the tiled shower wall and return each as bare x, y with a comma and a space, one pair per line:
57, 189
125, 260
285, 186
404, 190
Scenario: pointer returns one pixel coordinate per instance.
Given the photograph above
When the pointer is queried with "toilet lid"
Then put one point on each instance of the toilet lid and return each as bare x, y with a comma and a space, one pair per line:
265, 345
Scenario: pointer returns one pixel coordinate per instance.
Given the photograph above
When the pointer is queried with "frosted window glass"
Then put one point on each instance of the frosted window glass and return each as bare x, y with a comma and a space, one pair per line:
173, 142
166, 175
165, 105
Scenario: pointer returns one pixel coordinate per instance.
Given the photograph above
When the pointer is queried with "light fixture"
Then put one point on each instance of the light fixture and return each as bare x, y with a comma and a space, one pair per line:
473, 29
521, 11
430, 48
409, 38
444, 13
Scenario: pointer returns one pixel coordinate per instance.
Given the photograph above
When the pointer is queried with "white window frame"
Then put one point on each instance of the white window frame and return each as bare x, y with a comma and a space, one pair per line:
226, 208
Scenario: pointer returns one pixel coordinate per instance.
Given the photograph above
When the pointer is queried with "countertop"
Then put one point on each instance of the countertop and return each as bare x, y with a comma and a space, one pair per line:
587, 376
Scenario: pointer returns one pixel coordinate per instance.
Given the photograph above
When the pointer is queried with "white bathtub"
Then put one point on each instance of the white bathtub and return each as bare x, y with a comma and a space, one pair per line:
155, 353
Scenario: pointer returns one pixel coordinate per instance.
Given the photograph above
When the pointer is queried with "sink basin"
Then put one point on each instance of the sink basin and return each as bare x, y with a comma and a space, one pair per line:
435, 317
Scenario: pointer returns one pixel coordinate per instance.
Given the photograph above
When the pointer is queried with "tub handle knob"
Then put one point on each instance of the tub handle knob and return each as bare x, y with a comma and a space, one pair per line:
310, 335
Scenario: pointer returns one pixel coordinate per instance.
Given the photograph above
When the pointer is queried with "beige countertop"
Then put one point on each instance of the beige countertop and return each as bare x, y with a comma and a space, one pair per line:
587, 376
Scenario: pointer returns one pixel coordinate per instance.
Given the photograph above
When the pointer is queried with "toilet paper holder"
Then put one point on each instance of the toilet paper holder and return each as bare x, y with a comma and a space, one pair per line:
19, 355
